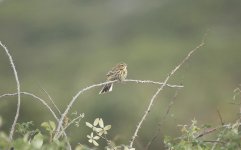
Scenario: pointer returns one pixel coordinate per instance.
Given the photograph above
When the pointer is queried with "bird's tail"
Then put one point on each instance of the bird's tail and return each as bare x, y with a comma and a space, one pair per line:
106, 88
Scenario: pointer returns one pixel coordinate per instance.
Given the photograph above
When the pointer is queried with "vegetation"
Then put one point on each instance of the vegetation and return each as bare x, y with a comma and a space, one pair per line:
58, 53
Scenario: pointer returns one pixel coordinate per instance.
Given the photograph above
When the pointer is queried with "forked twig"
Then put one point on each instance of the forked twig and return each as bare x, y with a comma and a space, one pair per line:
36, 97
58, 133
71, 122
45, 104
18, 91
158, 91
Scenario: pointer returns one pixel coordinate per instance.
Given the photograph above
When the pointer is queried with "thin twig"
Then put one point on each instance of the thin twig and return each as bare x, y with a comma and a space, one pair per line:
169, 108
57, 135
219, 138
207, 131
220, 117
158, 91
36, 97
50, 98
107, 141
18, 91
71, 122
153, 82
45, 104
162, 120
213, 141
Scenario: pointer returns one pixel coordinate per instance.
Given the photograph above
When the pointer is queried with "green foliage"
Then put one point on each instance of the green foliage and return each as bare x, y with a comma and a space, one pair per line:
25, 143
188, 140
194, 137
231, 136
23, 128
32, 139
49, 126
4, 141
68, 47
228, 137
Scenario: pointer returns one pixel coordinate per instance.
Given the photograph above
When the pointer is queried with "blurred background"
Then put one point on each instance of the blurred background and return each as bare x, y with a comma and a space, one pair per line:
63, 46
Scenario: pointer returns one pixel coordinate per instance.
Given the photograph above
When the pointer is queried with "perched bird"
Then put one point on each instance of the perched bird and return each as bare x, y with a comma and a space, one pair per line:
119, 72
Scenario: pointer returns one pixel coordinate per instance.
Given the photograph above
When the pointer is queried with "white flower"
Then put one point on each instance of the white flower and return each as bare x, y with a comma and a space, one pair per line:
93, 126
92, 139
98, 126
103, 129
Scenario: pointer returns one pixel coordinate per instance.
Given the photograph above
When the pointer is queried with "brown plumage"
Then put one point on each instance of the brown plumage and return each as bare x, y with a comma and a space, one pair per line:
119, 72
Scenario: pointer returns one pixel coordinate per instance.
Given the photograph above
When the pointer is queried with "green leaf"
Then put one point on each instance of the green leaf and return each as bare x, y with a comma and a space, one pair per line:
52, 125
45, 124
49, 126
37, 141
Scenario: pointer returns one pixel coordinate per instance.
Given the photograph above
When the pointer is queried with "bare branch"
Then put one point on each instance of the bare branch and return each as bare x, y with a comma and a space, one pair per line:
36, 97
45, 104
207, 131
220, 117
220, 136
57, 135
18, 91
71, 122
153, 82
162, 120
160, 89
213, 141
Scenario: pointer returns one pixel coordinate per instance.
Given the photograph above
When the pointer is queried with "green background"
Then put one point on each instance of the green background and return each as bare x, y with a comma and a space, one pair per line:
64, 46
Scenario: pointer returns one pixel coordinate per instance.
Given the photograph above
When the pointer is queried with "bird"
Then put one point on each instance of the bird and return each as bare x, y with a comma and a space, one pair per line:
119, 73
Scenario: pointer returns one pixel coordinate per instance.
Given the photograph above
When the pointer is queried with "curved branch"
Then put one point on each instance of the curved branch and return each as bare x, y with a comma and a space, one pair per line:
45, 104
57, 135
18, 91
97, 85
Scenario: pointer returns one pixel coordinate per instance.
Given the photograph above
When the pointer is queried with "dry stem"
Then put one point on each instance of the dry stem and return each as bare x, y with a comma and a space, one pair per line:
162, 120
158, 91
18, 91
44, 103
58, 133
